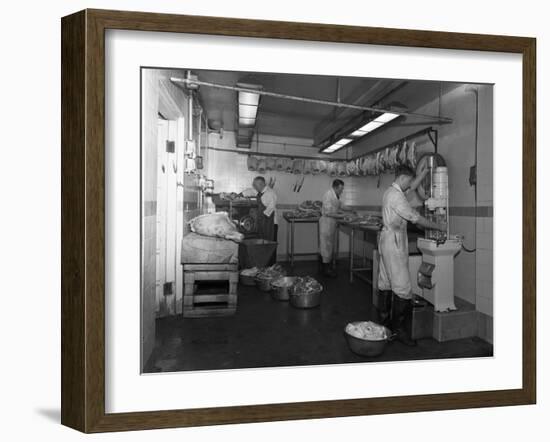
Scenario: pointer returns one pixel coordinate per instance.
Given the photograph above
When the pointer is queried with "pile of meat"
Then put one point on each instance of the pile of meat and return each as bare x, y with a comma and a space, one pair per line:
305, 285
233, 196
367, 330
272, 272
217, 225
252, 271
307, 209
364, 220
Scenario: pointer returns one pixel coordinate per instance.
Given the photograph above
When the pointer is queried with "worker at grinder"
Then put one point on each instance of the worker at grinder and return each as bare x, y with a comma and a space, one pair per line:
394, 282
331, 211
267, 210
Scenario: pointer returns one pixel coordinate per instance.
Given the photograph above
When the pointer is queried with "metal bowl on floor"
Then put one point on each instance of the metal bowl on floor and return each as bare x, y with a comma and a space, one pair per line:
248, 280
365, 347
282, 287
305, 300
264, 284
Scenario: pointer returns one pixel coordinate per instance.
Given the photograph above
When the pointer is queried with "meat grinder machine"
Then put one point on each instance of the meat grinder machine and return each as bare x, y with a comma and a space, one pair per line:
436, 273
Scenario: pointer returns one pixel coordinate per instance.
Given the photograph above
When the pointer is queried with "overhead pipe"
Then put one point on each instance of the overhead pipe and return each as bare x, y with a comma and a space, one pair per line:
306, 99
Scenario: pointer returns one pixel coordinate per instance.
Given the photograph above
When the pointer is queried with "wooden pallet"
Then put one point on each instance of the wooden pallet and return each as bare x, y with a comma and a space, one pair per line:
197, 304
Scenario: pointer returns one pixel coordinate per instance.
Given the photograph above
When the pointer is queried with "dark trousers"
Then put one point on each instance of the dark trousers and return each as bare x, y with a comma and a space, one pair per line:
267, 229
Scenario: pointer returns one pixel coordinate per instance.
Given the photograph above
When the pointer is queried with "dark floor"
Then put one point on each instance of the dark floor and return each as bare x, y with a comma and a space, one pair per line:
268, 333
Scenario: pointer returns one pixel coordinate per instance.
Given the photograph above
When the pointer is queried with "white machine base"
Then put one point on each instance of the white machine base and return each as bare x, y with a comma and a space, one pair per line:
441, 256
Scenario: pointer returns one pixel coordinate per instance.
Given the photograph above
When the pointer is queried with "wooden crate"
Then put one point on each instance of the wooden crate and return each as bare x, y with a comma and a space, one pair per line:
197, 304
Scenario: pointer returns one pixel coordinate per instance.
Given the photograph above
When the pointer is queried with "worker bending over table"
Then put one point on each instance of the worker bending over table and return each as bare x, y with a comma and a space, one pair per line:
394, 282
331, 211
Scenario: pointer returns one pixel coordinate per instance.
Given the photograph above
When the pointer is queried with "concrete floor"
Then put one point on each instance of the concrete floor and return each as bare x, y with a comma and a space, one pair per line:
267, 333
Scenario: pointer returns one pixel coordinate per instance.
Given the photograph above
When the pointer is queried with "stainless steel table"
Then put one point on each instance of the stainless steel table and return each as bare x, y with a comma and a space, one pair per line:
370, 234
292, 221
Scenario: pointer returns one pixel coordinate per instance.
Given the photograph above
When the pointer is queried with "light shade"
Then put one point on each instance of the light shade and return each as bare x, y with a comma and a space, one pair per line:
247, 122
337, 145
249, 98
370, 126
386, 118
247, 111
248, 103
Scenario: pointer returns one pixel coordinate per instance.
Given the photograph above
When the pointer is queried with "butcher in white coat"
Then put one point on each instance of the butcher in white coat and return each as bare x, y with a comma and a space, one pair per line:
330, 212
394, 282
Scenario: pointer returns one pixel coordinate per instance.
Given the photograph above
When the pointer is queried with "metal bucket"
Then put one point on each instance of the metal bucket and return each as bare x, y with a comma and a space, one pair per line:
364, 347
264, 284
305, 300
282, 292
256, 252
248, 280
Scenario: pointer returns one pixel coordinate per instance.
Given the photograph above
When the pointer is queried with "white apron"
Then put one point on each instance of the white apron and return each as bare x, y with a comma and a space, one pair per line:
327, 225
393, 243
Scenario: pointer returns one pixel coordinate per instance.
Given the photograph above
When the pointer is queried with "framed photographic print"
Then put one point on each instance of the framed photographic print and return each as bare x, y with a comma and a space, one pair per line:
267, 221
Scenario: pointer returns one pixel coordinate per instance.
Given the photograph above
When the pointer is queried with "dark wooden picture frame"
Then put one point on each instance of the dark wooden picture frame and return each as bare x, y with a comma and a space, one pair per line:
83, 220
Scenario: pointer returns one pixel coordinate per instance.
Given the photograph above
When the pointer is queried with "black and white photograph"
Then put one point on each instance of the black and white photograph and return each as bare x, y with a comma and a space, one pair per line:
299, 220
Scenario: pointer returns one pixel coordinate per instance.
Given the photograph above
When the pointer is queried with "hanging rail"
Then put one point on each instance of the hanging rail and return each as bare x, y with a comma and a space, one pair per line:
430, 131
307, 99
276, 155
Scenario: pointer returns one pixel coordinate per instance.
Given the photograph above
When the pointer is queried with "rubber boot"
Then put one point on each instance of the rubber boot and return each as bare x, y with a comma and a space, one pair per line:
327, 270
384, 307
401, 316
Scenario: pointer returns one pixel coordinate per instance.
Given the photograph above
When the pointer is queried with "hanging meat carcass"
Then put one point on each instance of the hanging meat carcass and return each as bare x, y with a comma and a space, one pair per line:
288, 165
298, 167
323, 166
216, 225
351, 168
411, 156
341, 170
280, 164
307, 167
262, 166
331, 168
402, 155
315, 167
270, 163
252, 163
358, 171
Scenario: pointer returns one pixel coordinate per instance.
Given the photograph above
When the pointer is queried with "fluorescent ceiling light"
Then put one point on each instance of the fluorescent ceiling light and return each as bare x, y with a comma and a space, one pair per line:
249, 98
343, 142
336, 146
370, 126
362, 131
247, 121
386, 118
246, 111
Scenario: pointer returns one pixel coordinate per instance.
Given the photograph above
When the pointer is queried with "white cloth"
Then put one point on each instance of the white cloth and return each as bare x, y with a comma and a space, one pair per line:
269, 200
327, 225
394, 244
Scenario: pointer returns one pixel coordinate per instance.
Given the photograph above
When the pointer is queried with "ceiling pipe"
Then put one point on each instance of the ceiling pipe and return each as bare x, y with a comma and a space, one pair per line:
307, 100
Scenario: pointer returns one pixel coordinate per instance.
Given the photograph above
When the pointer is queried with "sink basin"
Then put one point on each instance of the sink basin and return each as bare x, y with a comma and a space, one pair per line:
430, 247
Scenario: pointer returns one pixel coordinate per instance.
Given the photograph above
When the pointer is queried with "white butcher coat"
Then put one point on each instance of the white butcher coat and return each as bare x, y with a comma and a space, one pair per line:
393, 244
327, 225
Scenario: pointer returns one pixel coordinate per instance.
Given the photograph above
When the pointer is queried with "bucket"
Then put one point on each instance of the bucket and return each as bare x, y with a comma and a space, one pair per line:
256, 252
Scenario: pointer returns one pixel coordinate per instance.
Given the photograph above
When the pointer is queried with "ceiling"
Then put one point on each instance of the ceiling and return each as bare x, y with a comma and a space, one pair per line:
289, 118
